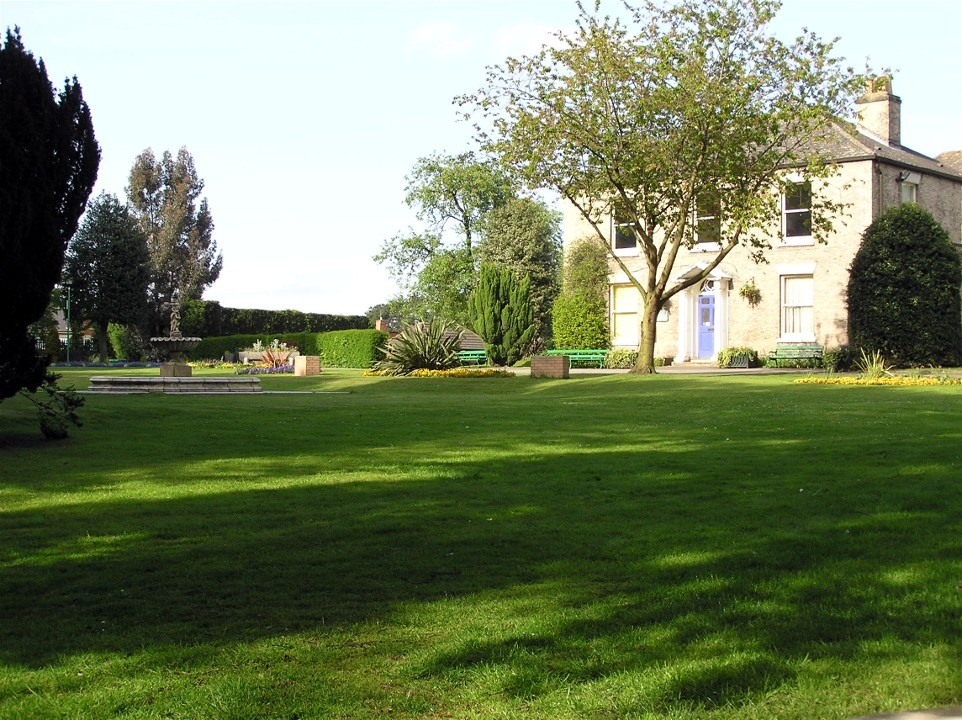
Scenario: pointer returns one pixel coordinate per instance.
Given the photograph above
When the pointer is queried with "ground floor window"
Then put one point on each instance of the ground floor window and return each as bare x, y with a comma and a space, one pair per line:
798, 307
625, 320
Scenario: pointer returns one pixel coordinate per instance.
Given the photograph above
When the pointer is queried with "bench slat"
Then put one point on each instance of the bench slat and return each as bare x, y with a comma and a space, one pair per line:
796, 352
583, 356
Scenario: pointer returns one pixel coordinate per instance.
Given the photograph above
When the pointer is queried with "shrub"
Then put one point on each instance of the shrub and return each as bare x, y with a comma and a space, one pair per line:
840, 359
422, 345
580, 312
903, 291
621, 359
580, 323
873, 365
126, 341
738, 357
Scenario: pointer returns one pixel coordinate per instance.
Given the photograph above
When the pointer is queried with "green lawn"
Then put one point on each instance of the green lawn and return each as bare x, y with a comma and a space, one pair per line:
601, 547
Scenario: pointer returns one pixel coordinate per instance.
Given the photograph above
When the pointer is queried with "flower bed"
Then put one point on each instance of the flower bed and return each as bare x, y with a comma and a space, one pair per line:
901, 380
452, 373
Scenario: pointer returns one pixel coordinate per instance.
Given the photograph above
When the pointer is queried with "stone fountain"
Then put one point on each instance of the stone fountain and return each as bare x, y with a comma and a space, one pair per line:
175, 374
174, 346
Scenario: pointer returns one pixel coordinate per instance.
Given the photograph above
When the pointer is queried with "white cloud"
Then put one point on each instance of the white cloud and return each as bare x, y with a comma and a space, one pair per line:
440, 40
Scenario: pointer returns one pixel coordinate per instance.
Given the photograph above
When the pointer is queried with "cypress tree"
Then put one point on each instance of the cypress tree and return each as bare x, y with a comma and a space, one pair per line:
501, 313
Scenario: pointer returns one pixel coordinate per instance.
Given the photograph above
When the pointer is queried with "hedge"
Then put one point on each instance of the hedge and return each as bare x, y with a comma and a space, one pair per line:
351, 348
206, 318
343, 348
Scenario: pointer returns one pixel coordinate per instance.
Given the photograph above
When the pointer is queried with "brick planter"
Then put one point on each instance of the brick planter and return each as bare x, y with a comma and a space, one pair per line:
550, 366
307, 365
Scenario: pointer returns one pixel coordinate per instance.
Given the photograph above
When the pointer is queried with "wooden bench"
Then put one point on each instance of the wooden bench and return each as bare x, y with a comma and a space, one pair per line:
475, 357
583, 357
794, 355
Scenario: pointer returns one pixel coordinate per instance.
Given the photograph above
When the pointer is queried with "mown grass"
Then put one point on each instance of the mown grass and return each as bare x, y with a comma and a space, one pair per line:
602, 547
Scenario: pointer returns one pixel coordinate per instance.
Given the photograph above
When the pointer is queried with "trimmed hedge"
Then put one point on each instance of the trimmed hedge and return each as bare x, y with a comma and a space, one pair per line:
343, 348
206, 318
351, 348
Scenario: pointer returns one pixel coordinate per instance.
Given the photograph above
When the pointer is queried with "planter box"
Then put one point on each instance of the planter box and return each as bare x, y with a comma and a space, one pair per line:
550, 366
307, 365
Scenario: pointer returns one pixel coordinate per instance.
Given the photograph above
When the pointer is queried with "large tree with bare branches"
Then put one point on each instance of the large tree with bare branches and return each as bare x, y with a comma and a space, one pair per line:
643, 119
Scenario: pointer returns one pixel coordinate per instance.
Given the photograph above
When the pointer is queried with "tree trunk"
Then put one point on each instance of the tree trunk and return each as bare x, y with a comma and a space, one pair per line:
645, 364
104, 341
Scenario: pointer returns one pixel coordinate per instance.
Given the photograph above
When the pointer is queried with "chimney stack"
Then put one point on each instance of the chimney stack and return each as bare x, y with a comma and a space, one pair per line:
880, 112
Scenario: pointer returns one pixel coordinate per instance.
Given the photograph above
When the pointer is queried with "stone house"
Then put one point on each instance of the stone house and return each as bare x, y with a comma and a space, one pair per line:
799, 295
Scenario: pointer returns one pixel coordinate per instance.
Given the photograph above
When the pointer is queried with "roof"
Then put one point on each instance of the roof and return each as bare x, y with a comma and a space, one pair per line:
951, 159
844, 145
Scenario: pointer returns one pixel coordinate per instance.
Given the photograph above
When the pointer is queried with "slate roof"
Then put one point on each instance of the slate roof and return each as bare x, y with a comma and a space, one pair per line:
951, 159
844, 145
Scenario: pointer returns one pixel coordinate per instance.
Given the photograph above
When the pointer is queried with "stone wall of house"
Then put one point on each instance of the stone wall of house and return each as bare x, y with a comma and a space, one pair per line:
866, 187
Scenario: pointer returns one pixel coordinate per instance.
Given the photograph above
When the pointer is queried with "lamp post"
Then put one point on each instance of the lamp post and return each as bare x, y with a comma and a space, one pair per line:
69, 288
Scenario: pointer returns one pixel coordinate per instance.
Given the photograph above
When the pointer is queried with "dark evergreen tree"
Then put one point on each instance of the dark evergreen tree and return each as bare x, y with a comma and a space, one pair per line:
108, 266
904, 291
501, 314
524, 236
165, 196
50, 160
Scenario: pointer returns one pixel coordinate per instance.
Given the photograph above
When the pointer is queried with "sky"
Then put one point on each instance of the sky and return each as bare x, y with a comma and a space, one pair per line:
304, 116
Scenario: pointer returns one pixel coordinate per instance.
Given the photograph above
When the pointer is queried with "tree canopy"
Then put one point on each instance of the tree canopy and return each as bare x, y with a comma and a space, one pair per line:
472, 213
50, 161
165, 196
435, 267
640, 118
108, 266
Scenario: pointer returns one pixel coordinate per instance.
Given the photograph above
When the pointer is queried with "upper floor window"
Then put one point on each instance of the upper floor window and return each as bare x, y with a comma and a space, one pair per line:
622, 236
797, 211
708, 218
909, 187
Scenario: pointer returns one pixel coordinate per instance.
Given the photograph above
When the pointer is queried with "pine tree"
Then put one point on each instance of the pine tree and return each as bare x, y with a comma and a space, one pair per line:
108, 266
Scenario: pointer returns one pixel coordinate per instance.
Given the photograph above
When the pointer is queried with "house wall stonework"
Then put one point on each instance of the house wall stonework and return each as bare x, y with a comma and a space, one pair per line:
868, 187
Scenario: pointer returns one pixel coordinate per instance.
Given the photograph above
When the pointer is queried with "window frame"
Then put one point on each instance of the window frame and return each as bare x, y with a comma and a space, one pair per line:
616, 313
802, 328
707, 201
799, 239
616, 234
909, 181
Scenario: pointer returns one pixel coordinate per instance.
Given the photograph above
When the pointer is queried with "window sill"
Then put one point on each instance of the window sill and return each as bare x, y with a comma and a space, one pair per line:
706, 247
796, 340
806, 241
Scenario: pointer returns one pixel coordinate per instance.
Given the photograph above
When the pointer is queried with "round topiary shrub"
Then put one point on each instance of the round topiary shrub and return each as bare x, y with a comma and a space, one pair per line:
904, 291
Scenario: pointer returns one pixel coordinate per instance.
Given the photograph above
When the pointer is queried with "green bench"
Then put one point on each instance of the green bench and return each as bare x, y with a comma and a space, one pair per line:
472, 357
794, 355
583, 357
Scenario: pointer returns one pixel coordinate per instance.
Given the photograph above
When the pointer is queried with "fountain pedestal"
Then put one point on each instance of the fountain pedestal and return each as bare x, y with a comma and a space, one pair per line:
175, 370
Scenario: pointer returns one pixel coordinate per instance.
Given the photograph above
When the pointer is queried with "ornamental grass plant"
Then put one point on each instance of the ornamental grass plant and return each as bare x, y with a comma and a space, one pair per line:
607, 546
